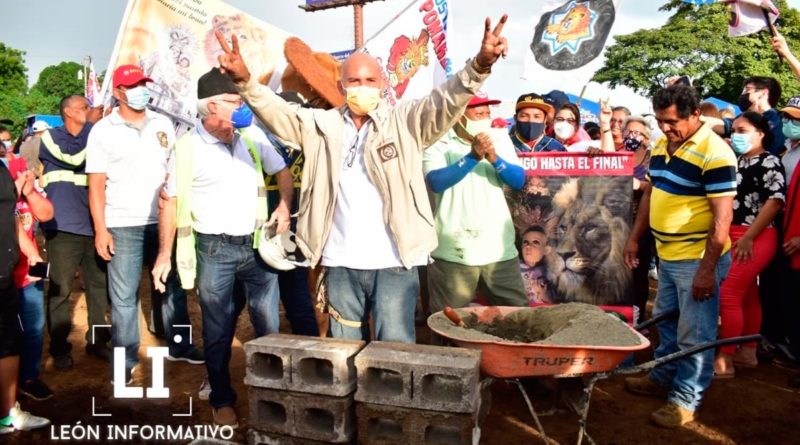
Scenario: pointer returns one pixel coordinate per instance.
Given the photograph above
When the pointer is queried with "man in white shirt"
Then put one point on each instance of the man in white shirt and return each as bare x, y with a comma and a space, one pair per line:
126, 160
217, 201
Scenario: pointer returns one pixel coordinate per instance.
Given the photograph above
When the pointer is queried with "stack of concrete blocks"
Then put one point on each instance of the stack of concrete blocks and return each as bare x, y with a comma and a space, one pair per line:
417, 394
300, 389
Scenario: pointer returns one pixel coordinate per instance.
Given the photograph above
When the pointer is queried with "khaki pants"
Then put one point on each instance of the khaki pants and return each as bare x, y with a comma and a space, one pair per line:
454, 285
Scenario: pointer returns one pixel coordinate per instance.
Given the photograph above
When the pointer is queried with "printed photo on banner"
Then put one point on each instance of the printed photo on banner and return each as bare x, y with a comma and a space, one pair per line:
572, 219
173, 42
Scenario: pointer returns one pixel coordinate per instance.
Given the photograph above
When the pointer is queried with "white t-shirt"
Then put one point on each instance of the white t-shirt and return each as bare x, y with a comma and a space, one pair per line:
225, 182
135, 163
359, 238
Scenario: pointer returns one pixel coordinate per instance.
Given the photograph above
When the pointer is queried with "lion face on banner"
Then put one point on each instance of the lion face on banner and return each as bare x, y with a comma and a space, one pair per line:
573, 26
586, 263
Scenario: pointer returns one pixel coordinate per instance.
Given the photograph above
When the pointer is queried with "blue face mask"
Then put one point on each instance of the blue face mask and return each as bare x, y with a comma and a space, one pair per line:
137, 98
741, 143
791, 130
530, 131
242, 117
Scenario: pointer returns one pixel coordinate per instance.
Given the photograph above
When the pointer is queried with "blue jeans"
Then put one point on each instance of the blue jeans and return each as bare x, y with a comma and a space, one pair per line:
219, 265
134, 246
31, 312
296, 299
389, 294
689, 377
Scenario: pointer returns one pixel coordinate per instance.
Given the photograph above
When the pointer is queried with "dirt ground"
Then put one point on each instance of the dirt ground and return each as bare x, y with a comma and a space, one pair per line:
756, 407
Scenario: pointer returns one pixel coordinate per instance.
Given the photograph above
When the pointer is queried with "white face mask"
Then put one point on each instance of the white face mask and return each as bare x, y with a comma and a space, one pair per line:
475, 128
564, 130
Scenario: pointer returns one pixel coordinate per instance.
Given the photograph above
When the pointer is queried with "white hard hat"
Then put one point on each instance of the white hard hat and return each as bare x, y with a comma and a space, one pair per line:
280, 251
40, 126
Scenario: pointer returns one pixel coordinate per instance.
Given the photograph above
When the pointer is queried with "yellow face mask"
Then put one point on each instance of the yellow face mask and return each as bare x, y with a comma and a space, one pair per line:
363, 99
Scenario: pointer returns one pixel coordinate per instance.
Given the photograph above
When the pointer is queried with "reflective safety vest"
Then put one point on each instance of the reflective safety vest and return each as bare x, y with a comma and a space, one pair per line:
61, 175
185, 253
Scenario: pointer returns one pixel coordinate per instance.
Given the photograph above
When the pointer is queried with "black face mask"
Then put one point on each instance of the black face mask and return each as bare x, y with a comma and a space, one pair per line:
530, 131
744, 102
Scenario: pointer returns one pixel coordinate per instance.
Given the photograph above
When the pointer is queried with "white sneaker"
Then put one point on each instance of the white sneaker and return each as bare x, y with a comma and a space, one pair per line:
25, 421
205, 390
653, 274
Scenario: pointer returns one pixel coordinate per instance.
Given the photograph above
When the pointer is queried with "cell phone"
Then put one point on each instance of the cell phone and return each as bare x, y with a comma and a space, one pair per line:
40, 270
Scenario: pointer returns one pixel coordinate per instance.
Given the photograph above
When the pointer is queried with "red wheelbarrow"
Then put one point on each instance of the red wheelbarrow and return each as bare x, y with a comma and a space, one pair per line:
578, 367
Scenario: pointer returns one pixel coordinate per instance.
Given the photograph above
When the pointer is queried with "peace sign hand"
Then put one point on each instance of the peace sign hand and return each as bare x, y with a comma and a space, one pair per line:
493, 46
231, 61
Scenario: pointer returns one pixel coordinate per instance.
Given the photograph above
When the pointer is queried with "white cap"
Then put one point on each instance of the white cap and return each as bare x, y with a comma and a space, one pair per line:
40, 126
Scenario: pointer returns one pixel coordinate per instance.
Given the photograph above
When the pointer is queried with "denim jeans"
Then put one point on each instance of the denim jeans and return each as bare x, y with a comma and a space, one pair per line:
219, 265
134, 246
689, 377
31, 312
389, 294
296, 299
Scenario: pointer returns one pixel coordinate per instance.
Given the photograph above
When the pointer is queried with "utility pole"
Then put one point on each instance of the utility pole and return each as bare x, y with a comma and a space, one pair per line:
358, 14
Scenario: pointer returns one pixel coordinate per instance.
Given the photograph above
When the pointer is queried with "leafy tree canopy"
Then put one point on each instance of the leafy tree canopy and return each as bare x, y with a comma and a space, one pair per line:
60, 80
12, 71
695, 42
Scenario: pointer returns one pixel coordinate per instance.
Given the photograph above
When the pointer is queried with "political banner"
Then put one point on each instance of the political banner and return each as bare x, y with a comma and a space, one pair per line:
573, 217
413, 51
173, 42
750, 16
568, 36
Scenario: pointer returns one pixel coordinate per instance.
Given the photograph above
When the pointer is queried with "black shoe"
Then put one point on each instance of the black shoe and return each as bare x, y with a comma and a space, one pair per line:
195, 358
36, 390
101, 351
63, 362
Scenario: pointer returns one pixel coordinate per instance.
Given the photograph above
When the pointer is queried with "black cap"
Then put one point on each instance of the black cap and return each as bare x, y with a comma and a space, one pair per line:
213, 83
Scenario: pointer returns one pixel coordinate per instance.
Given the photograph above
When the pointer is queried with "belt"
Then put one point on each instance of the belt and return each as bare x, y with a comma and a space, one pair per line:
238, 240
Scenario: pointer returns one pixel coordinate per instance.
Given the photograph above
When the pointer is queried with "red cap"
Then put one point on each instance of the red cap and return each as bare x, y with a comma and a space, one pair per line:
480, 98
128, 75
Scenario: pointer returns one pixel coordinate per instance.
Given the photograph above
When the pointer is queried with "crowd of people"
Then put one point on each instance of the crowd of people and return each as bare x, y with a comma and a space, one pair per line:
115, 190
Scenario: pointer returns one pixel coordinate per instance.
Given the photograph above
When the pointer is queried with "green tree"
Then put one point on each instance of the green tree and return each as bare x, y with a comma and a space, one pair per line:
60, 80
12, 71
695, 42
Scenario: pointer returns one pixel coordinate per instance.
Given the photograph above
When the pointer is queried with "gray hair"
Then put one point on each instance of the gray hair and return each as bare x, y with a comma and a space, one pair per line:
640, 119
202, 104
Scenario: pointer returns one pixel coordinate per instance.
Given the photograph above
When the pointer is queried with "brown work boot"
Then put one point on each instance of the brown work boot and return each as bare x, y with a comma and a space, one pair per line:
672, 416
645, 386
225, 416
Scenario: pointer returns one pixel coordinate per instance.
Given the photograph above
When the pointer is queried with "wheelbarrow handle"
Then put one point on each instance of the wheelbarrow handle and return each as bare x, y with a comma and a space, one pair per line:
657, 319
685, 353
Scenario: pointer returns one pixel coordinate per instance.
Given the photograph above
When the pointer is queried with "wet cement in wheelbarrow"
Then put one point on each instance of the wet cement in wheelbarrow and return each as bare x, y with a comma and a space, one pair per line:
562, 324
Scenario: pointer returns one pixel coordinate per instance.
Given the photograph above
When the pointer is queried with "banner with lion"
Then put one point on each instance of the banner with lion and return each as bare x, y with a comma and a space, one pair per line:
572, 219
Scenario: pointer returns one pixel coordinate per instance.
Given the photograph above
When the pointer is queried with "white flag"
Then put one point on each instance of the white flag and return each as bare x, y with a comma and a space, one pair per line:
748, 16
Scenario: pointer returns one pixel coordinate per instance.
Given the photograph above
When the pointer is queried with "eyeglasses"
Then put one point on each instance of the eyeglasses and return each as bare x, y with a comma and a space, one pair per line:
635, 134
531, 243
566, 119
351, 154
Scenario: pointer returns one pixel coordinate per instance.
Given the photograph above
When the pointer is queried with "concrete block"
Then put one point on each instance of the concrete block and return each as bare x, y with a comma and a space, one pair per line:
322, 418
255, 437
391, 425
302, 364
419, 376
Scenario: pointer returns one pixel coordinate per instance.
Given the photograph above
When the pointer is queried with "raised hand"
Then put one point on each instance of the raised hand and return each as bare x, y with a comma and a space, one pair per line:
230, 61
780, 46
605, 114
493, 46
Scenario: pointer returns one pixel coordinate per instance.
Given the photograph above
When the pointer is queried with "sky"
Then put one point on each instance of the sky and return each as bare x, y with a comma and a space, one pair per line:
52, 31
